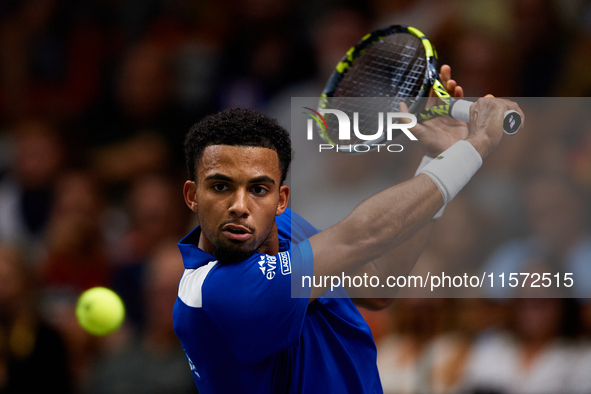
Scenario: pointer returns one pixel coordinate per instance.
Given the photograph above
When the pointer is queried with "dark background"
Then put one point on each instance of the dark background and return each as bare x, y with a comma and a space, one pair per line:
95, 99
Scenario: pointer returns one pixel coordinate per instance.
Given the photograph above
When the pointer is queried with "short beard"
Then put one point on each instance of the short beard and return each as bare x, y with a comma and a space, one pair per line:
231, 254
228, 254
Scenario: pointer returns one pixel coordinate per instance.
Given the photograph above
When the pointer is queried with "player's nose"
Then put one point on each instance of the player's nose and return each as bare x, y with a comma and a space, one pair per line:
239, 204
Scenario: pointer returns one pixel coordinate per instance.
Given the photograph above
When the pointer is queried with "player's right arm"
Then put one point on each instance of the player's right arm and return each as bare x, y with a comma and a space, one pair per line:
393, 216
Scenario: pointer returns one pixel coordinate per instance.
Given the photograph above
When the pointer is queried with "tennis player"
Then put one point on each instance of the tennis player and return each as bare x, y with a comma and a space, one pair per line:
235, 315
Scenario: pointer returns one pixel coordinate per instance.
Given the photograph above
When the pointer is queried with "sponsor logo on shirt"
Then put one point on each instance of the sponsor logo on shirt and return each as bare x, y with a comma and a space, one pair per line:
192, 366
285, 262
268, 266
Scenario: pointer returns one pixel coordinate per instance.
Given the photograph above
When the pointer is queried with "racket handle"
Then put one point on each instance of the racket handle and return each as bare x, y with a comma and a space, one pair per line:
460, 110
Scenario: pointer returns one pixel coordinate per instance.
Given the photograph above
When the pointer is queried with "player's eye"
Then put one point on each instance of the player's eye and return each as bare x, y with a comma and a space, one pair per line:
219, 187
259, 190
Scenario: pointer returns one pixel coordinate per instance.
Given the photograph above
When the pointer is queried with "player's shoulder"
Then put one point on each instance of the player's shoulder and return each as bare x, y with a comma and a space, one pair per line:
191, 284
215, 281
292, 226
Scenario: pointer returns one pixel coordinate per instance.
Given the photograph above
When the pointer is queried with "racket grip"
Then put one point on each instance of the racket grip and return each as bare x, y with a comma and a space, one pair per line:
460, 110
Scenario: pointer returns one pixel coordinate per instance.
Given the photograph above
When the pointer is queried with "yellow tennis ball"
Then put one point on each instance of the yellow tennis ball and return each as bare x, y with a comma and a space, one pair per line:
100, 311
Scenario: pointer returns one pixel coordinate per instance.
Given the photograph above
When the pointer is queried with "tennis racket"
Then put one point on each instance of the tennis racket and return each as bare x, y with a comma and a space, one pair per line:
398, 63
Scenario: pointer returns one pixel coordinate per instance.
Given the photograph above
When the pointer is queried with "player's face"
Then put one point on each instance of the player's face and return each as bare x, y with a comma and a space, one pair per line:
236, 196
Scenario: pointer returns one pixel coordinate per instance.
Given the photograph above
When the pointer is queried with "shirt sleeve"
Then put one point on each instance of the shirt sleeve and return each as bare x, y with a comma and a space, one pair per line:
252, 305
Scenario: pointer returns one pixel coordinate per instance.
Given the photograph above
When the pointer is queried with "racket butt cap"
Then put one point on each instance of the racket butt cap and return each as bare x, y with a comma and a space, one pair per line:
511, 122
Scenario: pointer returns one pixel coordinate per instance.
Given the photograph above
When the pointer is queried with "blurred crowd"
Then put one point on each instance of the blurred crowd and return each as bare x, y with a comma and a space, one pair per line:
96, 97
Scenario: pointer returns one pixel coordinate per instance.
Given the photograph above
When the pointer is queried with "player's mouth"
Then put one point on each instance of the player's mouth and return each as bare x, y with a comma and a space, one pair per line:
236, 232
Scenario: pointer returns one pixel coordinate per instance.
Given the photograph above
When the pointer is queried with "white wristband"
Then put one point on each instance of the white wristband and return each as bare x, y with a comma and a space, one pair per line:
452, 169
426, 160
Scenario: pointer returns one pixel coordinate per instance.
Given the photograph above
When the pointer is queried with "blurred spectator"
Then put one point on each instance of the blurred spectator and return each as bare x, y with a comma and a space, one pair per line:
536, 360
196, 66
154, 362
449, 354
26, 192
33, 357
331, 35
429, 16
76, 260
457, 241
477, 58
556, 215
401, 353
50, 59
156, 212
76, 250
575, 80
580, 381
578, 147
139, 127
266, 52
541, 48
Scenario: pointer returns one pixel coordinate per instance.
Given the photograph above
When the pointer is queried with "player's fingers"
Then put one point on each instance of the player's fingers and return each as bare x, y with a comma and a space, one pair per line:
454, 89
507, 104
450, 86
512, 105
445, 73
418, 128
448, 83
404, 108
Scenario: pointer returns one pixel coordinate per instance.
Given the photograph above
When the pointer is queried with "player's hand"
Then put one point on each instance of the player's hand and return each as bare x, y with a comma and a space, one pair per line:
450, 85
486, 122
438, 134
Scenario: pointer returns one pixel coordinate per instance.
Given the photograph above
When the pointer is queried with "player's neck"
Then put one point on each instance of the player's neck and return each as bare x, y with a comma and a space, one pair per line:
271, 244
204, 244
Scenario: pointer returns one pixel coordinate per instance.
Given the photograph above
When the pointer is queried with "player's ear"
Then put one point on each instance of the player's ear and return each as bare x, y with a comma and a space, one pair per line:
189, 192
283, 199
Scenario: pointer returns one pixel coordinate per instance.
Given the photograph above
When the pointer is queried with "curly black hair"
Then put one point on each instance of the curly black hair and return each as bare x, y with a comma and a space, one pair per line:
237, 127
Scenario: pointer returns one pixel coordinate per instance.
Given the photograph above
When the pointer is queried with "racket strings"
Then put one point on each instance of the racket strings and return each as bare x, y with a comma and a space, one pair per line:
392, 67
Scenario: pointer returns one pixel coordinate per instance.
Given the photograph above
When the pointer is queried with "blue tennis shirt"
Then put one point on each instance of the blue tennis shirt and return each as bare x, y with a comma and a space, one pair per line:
243, 332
